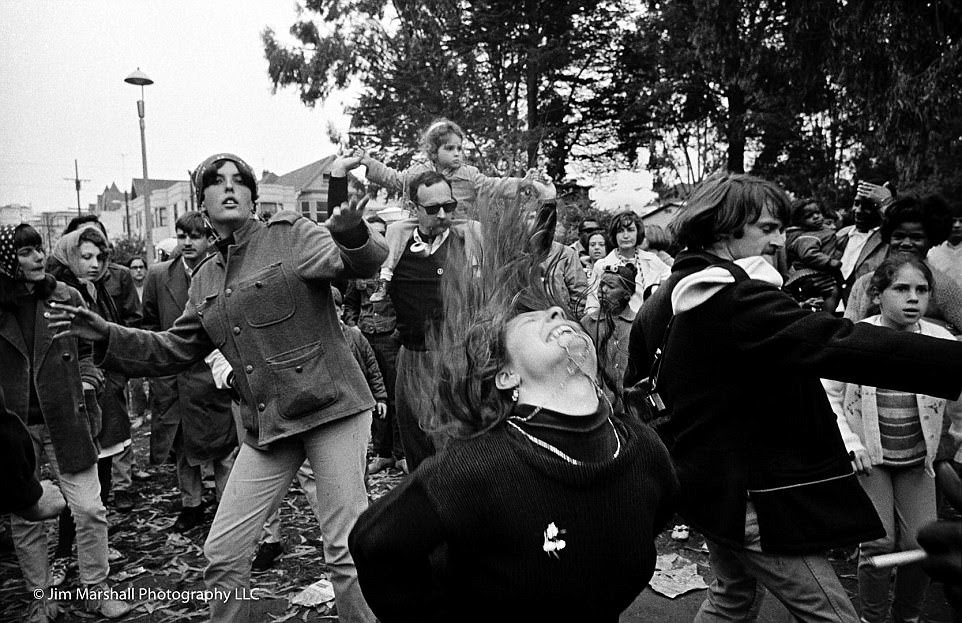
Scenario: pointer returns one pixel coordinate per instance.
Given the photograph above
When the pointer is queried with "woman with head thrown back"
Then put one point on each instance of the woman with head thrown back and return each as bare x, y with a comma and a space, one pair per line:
51, 383
504, 520
264, 300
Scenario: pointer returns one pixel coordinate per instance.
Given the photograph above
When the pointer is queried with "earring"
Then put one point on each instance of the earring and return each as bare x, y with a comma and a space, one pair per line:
514, 394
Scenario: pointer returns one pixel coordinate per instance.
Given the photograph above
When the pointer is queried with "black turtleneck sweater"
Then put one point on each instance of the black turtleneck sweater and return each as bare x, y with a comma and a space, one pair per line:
472, 527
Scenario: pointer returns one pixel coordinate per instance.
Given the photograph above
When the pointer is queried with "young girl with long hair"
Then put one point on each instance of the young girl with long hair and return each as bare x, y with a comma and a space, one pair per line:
892, 437
541, 504
442, 146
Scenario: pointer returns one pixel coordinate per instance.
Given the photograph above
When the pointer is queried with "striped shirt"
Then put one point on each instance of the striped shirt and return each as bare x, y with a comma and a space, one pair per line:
903, 443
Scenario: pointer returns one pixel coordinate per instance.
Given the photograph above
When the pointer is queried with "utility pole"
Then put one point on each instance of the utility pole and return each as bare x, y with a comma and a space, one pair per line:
76, 180
127, 213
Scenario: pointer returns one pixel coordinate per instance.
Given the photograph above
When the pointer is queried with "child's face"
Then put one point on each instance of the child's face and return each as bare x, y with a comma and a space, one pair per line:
904, 302
450, 152
613, 292
813, 218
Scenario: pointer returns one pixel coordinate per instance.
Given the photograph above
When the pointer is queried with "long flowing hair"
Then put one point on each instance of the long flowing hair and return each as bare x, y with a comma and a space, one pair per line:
480, 295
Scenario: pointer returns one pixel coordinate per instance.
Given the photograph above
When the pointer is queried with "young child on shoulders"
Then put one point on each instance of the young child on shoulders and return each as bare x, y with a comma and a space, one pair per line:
442, 144
814, 256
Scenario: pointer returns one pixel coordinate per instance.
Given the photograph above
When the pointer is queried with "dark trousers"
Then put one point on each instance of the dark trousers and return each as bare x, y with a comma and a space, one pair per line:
416, 398
385, 434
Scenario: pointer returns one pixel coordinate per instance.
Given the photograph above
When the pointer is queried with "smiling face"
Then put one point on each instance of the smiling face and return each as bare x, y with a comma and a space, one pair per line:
90, 260
31, 263
910, 237
905, 300
227, 201
450, 152
538, 344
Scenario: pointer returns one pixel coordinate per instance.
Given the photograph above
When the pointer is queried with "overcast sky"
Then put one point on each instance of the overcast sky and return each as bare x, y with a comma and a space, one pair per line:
62, 70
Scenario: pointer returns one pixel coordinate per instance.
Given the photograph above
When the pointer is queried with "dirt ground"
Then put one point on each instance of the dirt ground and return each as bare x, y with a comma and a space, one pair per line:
162, 566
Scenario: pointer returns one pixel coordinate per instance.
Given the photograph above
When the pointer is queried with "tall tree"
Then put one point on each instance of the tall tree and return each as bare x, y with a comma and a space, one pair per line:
517, 76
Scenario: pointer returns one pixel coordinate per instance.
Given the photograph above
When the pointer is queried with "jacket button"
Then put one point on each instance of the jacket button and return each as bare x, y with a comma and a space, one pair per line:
258, 284
299, 369
236, 330
248, 368
67, 356
228, 292
261, 406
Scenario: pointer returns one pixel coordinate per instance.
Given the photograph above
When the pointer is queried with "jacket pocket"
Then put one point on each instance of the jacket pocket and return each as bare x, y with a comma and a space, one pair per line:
302, 383
212, 320
266, 298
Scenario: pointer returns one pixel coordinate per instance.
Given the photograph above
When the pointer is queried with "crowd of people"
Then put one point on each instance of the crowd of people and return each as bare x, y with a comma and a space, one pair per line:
786, 381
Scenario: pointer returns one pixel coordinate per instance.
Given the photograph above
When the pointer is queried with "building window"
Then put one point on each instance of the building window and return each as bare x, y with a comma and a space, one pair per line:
306, 209
321, 211
162, 217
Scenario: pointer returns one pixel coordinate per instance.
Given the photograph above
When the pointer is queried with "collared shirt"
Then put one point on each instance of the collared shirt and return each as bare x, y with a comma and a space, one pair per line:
435, 244
853, 248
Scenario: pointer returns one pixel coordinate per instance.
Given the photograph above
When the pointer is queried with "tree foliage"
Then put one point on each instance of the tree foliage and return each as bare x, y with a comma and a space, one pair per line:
800, 92
809, 94
519, 77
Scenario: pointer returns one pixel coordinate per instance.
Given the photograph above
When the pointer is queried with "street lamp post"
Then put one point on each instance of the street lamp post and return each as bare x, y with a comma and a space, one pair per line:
140, 79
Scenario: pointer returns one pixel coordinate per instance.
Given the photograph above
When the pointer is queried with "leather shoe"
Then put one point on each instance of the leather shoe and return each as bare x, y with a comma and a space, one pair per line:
101, 602
124, 501
190, 517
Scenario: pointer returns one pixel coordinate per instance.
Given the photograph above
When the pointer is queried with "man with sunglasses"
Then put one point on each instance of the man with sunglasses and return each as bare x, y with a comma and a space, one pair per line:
415, 290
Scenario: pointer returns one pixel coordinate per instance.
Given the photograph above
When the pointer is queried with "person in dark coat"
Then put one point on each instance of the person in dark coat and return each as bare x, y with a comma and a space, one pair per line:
189, 414
764, 472
118, 283
51, 384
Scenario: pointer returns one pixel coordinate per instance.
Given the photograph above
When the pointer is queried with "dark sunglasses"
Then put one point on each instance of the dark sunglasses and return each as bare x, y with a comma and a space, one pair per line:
447, 206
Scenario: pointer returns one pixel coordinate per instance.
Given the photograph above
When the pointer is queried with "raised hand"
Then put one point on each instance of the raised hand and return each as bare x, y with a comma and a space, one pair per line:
348, 160
348, 215
79, 322
880, 195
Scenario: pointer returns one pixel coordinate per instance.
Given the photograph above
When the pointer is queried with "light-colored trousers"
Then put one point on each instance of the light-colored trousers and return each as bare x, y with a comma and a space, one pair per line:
805, 584
258, 483
904, 499
82, 492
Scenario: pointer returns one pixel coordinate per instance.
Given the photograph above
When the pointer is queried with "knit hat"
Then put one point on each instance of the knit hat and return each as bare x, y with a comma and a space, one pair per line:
9, 264
208, 164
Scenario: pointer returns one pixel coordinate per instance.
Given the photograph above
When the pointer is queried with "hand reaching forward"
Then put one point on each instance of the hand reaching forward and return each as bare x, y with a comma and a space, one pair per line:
347, 215
79, 322
346, 161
